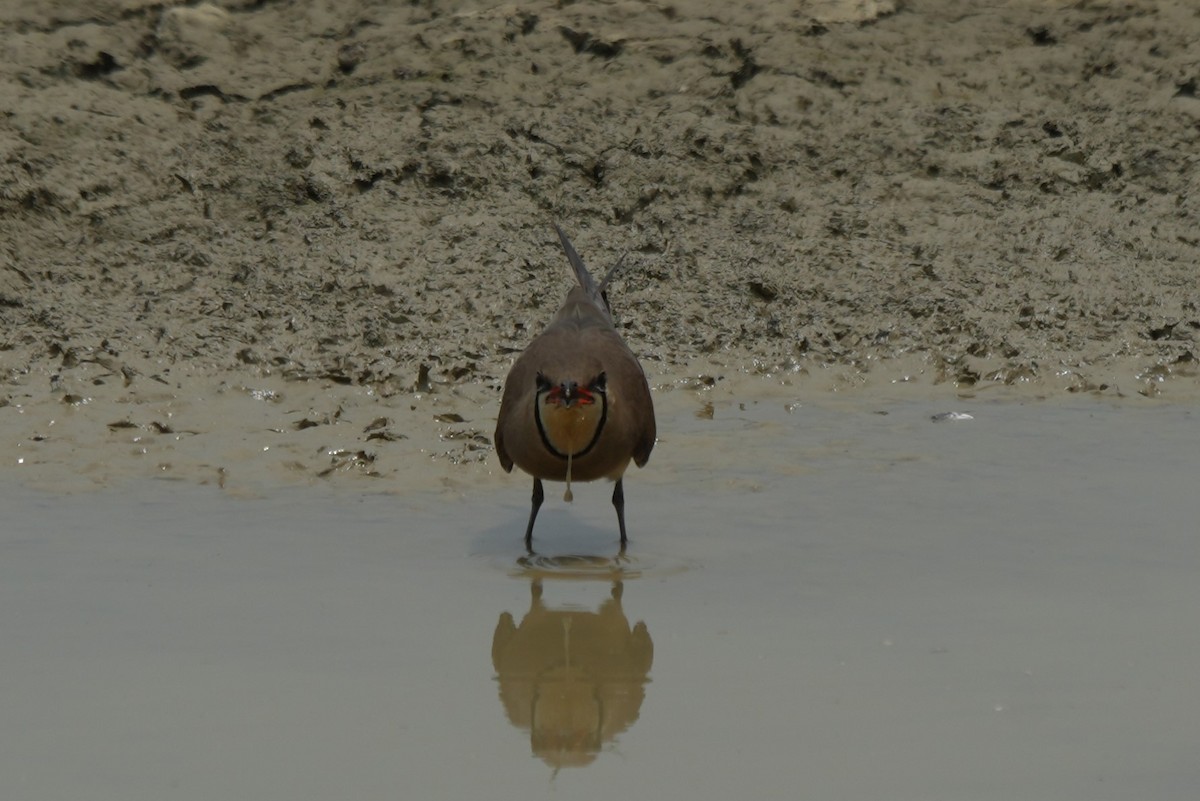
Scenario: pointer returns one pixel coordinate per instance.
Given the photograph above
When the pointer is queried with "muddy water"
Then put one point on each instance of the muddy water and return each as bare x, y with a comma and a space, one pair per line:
855, 602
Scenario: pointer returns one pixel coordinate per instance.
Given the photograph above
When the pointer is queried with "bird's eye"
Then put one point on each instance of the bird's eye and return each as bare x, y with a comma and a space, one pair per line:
599, 383
543, 383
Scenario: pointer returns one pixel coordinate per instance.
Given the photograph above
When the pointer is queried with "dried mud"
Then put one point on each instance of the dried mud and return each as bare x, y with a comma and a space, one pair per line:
323, 228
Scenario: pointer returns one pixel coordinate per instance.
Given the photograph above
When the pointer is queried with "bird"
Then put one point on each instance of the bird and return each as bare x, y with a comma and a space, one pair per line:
576, 405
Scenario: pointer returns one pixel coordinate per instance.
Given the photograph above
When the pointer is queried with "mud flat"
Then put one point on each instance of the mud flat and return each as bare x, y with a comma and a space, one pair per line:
339, 201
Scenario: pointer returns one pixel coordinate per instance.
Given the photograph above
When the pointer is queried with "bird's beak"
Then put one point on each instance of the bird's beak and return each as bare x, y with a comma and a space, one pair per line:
569, 394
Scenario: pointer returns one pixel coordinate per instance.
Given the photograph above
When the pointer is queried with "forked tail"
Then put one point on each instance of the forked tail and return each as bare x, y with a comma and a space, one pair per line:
596, 293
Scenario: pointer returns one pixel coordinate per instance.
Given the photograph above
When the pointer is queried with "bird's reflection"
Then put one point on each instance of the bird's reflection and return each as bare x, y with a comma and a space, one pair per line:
573, 679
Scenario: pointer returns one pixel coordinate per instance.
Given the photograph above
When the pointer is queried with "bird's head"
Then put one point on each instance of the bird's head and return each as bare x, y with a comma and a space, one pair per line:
569, 392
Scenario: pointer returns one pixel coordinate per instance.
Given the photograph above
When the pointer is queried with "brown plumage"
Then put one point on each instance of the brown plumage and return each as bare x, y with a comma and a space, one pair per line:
576, 405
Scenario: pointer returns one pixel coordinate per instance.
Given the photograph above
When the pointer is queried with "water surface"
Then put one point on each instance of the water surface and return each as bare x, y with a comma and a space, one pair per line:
850, 601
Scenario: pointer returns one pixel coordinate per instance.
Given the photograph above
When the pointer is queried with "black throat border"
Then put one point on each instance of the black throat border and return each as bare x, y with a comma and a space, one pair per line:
537, 418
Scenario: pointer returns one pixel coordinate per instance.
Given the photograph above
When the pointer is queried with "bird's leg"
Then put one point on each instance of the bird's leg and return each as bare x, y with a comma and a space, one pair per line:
538, 497
619, 505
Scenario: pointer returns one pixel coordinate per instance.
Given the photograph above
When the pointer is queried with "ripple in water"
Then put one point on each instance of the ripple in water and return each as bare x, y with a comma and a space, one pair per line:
621, 567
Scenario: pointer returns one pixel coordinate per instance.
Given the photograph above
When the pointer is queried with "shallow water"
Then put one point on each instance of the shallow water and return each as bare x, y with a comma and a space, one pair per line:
851, 601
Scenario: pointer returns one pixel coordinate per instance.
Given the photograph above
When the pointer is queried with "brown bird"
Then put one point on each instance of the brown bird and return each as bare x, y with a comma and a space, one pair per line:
576, 405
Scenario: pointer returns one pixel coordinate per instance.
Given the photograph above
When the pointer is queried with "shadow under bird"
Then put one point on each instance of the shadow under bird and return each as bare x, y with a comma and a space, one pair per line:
576, 405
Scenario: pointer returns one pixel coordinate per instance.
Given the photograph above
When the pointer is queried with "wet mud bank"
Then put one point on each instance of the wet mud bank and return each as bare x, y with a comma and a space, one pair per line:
335, 207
